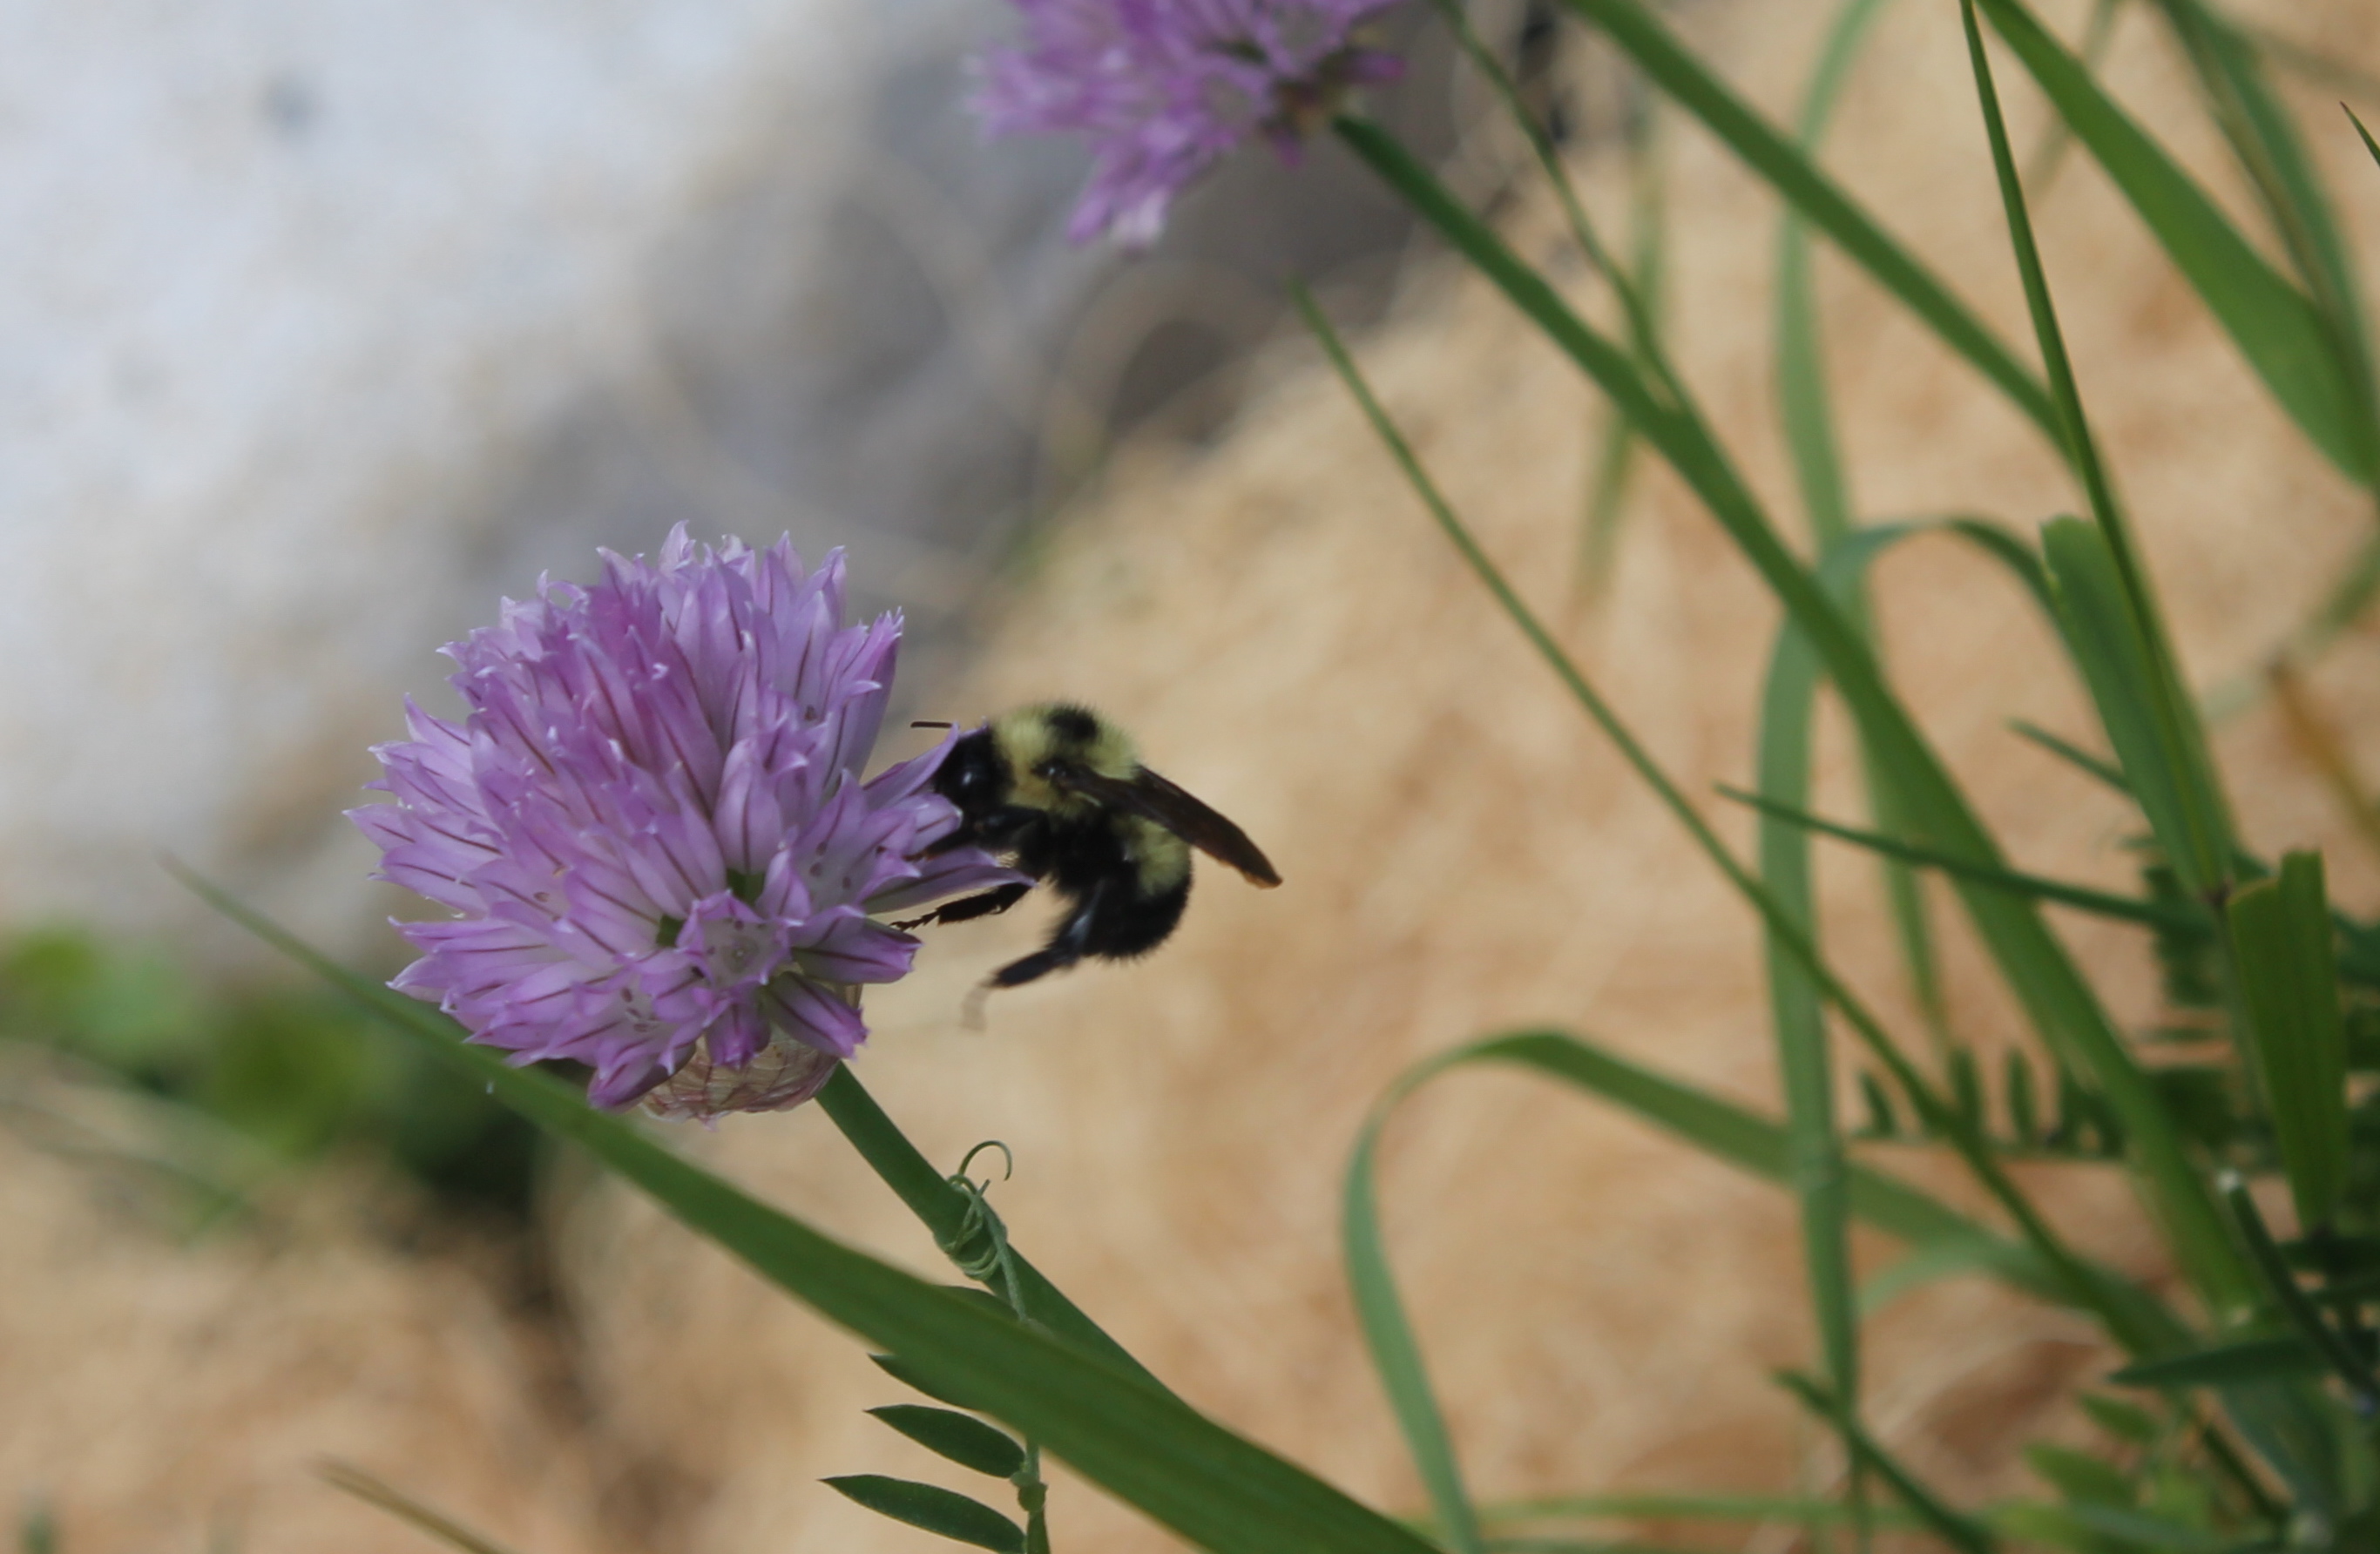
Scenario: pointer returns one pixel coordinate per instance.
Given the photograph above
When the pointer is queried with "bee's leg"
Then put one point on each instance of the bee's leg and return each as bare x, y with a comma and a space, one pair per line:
979, 905
1065, 947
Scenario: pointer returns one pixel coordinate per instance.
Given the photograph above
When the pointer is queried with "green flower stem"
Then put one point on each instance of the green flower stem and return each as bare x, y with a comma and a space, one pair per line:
944, 1211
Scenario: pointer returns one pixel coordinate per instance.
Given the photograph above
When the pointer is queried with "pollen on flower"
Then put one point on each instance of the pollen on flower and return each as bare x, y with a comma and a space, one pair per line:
652, 832
1164, 88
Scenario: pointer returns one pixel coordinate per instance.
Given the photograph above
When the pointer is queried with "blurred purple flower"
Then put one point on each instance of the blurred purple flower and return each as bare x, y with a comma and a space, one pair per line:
652, 834
1163, 88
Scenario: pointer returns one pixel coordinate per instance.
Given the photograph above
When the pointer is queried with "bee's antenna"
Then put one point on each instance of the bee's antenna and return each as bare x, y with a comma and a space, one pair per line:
929, 722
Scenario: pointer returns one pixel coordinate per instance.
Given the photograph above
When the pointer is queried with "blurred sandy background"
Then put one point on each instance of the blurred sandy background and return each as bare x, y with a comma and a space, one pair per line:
1270, 610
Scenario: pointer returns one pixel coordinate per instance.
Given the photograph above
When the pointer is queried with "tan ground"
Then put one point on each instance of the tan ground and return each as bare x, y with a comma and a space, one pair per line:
170, 1387
1292, 642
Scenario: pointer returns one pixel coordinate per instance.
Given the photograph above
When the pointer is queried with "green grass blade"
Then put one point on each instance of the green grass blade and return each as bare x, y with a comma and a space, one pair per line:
2151, 672
37, 1530
1615, 458
2072, 754
930, 1508
1396, 1353
2102, 904
1760, 1146
2139, 1530
1960, 1531
1804, 403
1571, 1545
1217, 1489
2273, 1357
1926, 1265
2370, 144
959, 1438
2290, 1299
2038, 967
2276, 327
349, 1479
2056, 996
1790, 1509
1797, 1018
2266, 140
1817, 197
2104, 635
2050, 155
2289, 984
1842, 570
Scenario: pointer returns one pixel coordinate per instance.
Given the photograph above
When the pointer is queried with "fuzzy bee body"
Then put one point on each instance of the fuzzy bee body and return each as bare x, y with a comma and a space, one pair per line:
1062, 792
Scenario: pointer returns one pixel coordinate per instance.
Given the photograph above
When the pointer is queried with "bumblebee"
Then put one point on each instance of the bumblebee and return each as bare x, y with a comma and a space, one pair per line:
1060, 791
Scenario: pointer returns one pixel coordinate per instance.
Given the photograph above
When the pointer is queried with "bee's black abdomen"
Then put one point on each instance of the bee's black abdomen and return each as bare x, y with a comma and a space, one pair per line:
1111, 913
1113, 922
1129, 924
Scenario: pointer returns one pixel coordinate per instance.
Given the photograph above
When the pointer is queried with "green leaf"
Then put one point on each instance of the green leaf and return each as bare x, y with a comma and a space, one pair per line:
2056, 998
2177, 916
1759, 1145
2134, 1425
911, 1377
2266, 1357
1881, 1121
962, 1438
2347, 1353
351, 1480
2289, 984
2023, 1116
2072, 754
2080, 1476
1615, 455
2369, 143
1396, 1353
1961, 1532
1570, 1546
1817, 197
1804, 402
1136, 1440
37, 1532
2155, 1535
2153, 677
2104, 634
1928, 1265
1816, 1176
2266, 140
945, 1211
2276, 327
1794, 1510
945, 1513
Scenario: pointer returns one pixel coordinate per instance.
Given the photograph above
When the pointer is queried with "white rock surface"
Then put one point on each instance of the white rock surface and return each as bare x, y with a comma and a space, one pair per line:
281, 283
325, 323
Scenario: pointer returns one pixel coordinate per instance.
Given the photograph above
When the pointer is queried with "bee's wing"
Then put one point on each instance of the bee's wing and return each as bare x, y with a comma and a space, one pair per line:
1152, 797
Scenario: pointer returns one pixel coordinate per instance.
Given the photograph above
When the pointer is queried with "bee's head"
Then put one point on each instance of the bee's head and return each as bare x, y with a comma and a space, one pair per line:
975, 775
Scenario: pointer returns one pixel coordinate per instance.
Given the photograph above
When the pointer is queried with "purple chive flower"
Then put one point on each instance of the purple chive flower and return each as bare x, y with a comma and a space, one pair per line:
1164, 88
652, 833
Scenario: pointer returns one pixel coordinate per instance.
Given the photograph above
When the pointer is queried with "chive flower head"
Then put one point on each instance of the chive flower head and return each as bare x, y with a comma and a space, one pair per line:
1163, 88
651, 835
